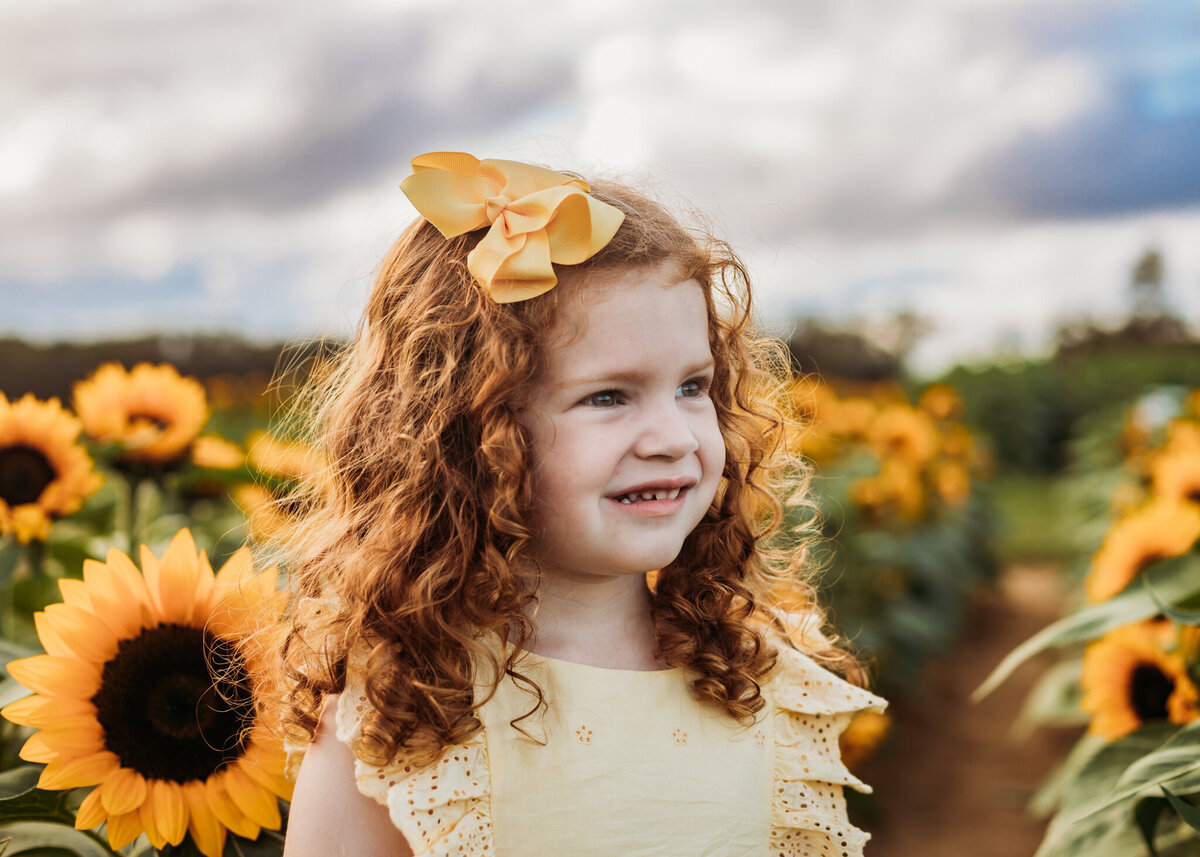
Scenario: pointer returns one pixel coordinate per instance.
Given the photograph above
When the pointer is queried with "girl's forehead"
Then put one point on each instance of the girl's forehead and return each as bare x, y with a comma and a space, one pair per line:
630, 329
612, 298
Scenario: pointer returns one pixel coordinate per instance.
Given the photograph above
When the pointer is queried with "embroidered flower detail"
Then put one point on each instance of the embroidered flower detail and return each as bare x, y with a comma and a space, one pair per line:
583, 735
759, 738
680, 738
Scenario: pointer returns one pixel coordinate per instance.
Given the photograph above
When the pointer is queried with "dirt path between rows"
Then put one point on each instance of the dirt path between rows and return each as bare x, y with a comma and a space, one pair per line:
952, 780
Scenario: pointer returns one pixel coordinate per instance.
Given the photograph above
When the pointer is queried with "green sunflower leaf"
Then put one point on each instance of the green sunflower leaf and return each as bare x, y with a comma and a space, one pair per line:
1179, 614
32, 838
1146, 813
1189, 813
1086, 823
19, 780
1176, 759
1172, 581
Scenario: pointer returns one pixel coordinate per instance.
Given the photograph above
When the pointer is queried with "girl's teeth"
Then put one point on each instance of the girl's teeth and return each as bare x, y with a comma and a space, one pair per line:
650, 495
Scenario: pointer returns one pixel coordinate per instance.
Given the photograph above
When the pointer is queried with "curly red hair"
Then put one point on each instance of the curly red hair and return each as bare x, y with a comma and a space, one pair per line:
411, 550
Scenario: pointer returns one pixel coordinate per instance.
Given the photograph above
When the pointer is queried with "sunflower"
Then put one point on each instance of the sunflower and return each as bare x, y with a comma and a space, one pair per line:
216, 453
895, 490
952, 482
903, 432
146, 692
809, 397
942, 402
958, 443
1159, 530
1175, 474
44, 473
851, 417
1130, 679
286, 459
289, 468
152, 412
862, 737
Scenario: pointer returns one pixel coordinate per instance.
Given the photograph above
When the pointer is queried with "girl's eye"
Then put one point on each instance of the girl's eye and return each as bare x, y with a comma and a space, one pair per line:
603, 399
692, 389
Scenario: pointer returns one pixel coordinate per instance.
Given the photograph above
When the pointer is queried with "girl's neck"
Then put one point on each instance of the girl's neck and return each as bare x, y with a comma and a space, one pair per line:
598, 621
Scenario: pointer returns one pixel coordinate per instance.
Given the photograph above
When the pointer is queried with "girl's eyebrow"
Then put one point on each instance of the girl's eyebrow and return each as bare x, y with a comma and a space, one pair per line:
630, 375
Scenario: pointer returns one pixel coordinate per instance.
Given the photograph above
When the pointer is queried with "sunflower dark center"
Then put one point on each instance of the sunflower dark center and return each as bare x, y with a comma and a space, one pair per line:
174, 703
1144, 562
24, 474
149, 420
1149, 690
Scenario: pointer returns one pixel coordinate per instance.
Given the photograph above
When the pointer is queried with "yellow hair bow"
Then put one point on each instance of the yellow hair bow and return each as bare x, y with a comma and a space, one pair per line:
537, 217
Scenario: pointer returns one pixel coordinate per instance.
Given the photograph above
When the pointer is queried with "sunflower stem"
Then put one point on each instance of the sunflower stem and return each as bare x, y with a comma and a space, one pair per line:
35, 554
131, 513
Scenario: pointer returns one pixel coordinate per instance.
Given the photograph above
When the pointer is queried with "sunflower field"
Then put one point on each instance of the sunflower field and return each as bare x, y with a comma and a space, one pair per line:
131, 608
1129, 655
130, 601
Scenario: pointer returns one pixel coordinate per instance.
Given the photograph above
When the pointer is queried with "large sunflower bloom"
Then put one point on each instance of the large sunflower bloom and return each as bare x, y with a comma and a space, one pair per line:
1159, 530
146, 692
1129, 679
151, 411
44, 473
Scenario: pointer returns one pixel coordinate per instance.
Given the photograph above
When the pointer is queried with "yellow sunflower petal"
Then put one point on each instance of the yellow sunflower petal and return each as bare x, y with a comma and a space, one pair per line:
72, 738
91, 812
123, 829
44, 711
106, 598
146, 816
172, 581
167, 812
207, 831
76, 592
84, 633
259, 805
130, 579
76, 773
237, 568
51, 640
226, 809
273, 780
50, 675
124, 791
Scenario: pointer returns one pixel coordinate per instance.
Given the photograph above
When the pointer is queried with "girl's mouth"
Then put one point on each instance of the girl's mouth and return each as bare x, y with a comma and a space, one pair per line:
644, 496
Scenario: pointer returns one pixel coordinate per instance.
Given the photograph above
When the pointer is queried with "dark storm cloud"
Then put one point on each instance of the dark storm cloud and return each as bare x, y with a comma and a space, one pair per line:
1121, 159
1136, 149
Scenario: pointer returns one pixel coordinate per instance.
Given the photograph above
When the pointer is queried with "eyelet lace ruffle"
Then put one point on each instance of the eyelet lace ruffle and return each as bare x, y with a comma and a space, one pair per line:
810, 709
443, 809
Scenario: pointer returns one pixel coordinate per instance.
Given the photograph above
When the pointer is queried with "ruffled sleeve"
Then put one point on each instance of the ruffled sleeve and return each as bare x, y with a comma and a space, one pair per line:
443, 808
810, 707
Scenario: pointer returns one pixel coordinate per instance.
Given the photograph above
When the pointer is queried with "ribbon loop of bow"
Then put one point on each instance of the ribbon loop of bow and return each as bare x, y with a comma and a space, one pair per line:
537, 217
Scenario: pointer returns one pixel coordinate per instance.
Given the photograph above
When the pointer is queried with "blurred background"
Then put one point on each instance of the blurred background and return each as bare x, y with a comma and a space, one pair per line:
976, 222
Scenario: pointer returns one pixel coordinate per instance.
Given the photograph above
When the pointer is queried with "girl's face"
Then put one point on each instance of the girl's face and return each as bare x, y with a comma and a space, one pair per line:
626, 448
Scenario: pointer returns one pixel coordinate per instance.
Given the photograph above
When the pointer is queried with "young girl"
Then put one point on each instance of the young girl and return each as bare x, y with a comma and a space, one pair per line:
537, 611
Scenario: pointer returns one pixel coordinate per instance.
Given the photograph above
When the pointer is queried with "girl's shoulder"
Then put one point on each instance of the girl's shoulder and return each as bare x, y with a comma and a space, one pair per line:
809, 708
438, 806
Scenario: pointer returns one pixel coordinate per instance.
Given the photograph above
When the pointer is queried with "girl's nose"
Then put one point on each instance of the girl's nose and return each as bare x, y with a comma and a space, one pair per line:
666, 432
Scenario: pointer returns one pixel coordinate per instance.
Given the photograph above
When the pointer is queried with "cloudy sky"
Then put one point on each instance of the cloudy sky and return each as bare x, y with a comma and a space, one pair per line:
991, 165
